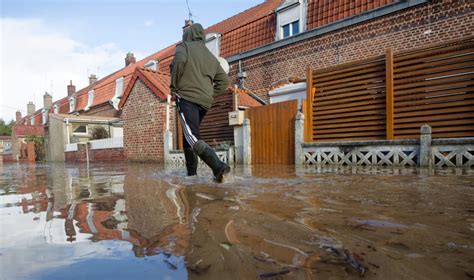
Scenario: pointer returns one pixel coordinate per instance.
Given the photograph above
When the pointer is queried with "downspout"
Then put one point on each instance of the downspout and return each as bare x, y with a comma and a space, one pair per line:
242, 75
67, 132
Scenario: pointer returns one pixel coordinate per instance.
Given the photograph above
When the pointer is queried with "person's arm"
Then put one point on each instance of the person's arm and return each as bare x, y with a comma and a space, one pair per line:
177, 67
220, 81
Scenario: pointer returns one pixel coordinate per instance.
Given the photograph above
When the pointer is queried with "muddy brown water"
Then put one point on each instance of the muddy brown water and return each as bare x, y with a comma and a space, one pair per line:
118, 221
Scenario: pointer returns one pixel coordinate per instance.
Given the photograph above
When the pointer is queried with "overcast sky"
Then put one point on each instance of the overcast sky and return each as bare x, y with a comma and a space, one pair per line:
46, 43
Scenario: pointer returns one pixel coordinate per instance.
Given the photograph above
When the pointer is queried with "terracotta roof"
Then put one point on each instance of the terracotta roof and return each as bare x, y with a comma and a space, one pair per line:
83, 118
245, 99
323, 12
158, 82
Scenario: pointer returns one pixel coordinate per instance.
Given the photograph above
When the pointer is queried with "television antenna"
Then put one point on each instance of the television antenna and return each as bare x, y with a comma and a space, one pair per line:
190, 14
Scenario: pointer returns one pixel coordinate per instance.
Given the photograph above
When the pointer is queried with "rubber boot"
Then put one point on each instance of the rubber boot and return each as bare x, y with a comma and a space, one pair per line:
191, 161
209, 156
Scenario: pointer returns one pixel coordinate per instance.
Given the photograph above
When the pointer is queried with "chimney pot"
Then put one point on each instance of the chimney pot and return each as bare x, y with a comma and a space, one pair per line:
92, 79
71, 89
47, 100
129, 59
30, 108
18, 116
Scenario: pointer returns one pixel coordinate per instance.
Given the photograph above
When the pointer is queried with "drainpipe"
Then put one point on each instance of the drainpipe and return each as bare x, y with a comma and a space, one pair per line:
168, 101
67, 131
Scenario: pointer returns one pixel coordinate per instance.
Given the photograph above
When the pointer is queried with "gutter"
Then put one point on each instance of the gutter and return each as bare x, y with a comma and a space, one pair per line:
356, 19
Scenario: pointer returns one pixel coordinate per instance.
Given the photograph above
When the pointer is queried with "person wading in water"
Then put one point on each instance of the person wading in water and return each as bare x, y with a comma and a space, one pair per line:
196, 78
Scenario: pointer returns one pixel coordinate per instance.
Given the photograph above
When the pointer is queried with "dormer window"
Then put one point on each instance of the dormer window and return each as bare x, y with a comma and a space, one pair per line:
213, 43
90, 100
32, 121
72, 104
118, 92
45, 116
291, 18
56, 108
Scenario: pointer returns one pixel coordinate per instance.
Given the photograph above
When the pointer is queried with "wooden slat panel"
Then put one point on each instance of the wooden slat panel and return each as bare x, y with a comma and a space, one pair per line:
343, 99
436, 112
439, 65
355, 118
417, 57
445, 98
435, 87
441, 81
372, 69
436, 106
440, 116
353, 129
378, 105
461, 72
356, 82
319, 109
431, 94
437, 123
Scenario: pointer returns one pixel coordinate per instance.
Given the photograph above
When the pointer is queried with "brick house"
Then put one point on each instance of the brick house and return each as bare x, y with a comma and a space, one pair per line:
145, 109
335, 32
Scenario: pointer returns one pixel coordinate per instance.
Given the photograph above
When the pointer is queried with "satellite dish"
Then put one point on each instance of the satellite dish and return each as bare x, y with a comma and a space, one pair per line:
224, 64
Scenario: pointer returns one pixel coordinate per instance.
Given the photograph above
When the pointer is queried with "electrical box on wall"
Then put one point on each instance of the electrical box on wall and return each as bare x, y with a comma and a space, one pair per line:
236, 118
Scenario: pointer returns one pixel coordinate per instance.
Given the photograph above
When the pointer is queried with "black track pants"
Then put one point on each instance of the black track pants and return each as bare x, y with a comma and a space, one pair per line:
190, 116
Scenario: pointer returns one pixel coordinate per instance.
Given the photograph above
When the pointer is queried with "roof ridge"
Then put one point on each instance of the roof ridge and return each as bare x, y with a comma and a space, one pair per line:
266, 2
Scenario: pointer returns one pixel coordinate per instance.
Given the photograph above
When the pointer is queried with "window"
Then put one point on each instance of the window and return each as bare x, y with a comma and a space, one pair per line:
213, 41
119, 87
72, 104
32, 121
118, 92
56, 108
45, 116
291, 29
291, 18
90, 100
80, 129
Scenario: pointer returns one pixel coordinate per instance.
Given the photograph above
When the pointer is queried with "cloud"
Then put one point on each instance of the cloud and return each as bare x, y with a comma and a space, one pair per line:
149, 23
33, 56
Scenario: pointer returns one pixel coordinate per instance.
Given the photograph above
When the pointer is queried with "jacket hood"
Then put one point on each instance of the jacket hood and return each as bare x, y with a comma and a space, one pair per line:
194, 33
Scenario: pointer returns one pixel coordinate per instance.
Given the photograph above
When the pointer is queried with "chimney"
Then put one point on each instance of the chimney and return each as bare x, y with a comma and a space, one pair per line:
47, 100
71, 89
18, 116
92, 79
30, 108
129, 59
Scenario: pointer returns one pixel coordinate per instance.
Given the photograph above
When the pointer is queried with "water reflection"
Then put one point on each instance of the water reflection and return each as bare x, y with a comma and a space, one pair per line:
141, 221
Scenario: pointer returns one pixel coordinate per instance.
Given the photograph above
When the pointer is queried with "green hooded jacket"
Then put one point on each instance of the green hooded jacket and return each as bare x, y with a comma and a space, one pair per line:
196, 75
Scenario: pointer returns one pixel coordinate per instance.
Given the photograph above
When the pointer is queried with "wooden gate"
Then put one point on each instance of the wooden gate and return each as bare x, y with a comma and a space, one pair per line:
272, 130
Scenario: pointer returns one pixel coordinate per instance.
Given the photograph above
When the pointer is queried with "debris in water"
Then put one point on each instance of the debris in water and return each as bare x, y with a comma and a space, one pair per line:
273, 274
347, 257
199, 269
226, 245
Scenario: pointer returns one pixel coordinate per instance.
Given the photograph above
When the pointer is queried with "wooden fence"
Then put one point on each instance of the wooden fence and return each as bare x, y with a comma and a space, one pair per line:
272, 130
215, 128
392, 96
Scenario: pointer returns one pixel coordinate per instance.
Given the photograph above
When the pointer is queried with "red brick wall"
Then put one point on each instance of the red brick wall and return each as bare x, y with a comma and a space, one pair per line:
144, 124
402, 30
101, 155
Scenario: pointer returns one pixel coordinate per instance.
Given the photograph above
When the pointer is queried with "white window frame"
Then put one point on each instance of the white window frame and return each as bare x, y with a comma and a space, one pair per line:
152, 64
119, 89
81, 133
289, 12
90, 100
213, 43
32, 121
56, 108
72, 104
44, 114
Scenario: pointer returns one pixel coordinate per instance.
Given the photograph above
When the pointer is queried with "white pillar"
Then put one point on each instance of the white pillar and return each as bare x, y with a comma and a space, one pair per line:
299, 138
247, 145
425, 159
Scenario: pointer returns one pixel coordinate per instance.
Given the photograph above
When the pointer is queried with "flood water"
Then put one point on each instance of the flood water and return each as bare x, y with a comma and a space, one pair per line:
119, 221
